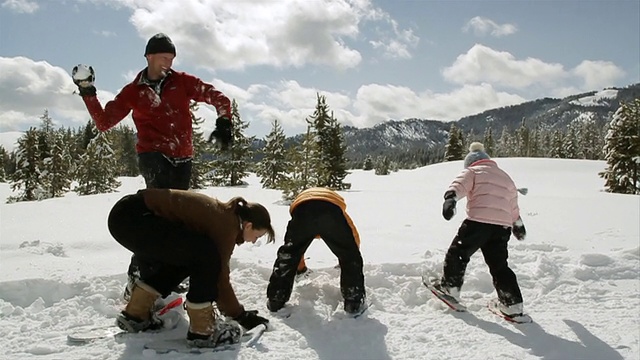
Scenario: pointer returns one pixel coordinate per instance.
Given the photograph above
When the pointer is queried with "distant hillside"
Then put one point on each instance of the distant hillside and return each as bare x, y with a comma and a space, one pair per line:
397, 136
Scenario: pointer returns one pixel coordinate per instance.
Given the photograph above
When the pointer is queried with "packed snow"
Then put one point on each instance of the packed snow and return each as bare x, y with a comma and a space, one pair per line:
600, 98
578, 270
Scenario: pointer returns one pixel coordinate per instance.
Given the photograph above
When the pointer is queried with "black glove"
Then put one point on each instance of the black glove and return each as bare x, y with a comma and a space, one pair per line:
222, 133
449, 206
250, 319
518, 230
84, 77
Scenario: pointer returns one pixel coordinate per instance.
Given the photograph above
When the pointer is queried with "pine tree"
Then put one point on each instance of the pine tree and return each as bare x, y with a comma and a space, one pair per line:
591, 140
622, 150
535, 142
4, 157
303, 159
201, 165
45, 135
570, 143
506, 144
382, 166
522, 140
98, 173
368, 163
233, 165
124, 144
320, 123
86, 135
336, 165
454, 150
27, 175
488, 141
56, 177
557, 145
273, 167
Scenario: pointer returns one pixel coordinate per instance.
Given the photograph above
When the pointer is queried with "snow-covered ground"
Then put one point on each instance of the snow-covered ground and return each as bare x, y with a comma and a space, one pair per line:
579, 270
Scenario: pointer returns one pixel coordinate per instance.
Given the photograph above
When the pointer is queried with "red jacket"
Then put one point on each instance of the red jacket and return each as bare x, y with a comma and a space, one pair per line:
163, 121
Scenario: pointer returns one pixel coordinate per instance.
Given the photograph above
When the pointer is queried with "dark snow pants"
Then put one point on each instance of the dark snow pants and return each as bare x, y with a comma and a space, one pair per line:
492, 241
311, 219
159, 172
163, 173
174, 251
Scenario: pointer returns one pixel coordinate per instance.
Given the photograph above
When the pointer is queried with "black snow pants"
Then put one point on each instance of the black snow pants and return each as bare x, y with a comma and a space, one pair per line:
492, 241
311, 219
173, 251
159, 172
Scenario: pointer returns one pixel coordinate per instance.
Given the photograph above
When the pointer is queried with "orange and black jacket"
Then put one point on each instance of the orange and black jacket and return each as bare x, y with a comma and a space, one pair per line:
328, 195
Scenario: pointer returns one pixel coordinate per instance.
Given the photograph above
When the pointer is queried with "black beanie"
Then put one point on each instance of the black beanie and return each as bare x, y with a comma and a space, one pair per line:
159, 43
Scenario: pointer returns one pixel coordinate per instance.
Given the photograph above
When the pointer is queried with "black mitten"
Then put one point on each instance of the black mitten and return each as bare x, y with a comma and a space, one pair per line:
449, 206
222, 133
250, 319
519, 230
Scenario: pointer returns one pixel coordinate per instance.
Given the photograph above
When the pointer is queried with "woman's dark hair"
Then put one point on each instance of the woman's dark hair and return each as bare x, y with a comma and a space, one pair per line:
256, 214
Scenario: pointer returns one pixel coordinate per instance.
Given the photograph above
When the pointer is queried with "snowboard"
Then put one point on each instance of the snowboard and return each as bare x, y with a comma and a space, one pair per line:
85, 336
165, 346
522, 319
448, 300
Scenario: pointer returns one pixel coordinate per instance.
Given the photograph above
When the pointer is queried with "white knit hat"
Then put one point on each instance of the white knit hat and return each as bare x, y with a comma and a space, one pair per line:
476, 152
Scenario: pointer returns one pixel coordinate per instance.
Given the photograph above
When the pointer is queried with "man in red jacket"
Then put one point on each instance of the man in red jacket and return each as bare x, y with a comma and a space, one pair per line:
158, 100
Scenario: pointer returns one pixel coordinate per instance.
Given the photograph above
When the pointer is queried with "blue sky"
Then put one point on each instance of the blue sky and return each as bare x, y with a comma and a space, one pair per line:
373, 60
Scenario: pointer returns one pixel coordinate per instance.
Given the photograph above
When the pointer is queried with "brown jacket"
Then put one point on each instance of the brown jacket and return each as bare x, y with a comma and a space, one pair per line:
209, 216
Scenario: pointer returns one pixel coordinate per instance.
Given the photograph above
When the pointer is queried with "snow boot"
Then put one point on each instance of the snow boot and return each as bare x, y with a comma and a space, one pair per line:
138, 314
454, 292
206, 330
511, 311
354, 306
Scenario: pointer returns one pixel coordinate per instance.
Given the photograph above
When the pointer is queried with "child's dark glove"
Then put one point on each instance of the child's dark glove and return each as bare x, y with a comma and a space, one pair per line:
250, 319
449, 206
519, 230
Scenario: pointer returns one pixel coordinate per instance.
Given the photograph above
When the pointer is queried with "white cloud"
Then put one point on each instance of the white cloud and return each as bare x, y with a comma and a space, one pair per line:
376, 103
282, 33
481, 26
29, 87
483, 64
398, 45
598, 74
21, 6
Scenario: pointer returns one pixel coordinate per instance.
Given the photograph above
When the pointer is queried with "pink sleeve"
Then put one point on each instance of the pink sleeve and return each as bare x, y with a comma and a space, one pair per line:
463, 183
515, 209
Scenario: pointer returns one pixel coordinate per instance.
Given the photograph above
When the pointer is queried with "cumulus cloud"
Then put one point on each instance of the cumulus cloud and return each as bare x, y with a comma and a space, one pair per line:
483, 64
21, 6
482, 26
399, 44
376, 103
28, 88
598, 74
234, 35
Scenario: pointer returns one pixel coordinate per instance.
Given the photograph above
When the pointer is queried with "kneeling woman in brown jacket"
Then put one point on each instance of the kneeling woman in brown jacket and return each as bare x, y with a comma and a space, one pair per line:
188, 234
